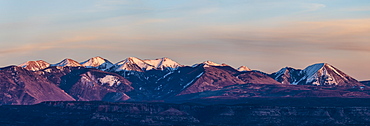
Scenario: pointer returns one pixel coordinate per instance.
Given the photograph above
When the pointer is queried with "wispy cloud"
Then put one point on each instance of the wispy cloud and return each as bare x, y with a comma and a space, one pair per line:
108, 5
299, 36
47, 45
313, 6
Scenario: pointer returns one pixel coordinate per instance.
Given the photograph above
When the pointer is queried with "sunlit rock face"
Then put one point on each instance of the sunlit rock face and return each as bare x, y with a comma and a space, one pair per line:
34, 65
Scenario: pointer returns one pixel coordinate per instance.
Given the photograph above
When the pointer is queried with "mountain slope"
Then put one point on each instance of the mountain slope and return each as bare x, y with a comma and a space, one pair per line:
367, 83
55, 73
20, 86
218, 77
256, 77
212, 78
158, 84
95, 85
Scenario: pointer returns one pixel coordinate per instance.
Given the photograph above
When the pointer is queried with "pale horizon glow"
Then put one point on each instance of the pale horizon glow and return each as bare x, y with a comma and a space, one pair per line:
264, 35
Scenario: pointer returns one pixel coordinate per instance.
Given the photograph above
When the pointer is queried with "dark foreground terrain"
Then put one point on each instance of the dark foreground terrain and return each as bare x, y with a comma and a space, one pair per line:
255, 111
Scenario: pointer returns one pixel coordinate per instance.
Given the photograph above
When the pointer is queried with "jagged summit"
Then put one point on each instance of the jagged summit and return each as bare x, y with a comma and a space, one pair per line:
35, 65
288, 75
244, 68
163, 63
132, 64
67, 62
98, 63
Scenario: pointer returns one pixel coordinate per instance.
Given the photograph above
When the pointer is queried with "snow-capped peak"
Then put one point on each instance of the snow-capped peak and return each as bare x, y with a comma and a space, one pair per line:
34, 65
163, 63
133, 64
93, 62
68, 62
209, 63
326, 74
98, 63
244, 68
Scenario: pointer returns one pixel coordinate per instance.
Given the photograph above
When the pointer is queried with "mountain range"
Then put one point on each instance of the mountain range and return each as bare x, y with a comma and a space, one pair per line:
134, 79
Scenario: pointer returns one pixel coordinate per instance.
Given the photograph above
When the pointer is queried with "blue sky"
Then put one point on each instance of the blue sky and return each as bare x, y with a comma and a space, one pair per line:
261, 34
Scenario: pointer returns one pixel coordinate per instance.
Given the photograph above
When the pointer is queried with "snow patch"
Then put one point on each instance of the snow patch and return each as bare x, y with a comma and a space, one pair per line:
193, 80
110, 79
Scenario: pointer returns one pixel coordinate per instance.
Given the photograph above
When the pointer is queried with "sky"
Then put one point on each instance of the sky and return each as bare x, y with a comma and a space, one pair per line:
264, 35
